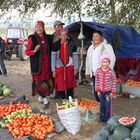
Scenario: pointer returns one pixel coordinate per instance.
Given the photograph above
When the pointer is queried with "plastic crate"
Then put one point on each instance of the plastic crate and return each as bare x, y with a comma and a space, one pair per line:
131, 90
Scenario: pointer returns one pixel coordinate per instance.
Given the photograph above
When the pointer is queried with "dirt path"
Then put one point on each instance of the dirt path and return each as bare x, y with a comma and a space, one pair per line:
19, 79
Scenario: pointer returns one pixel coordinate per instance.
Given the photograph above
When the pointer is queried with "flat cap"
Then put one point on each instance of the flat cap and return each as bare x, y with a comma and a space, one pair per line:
58, 22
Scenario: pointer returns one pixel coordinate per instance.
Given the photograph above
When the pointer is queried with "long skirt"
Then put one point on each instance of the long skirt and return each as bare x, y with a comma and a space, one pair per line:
42, 87
65, 78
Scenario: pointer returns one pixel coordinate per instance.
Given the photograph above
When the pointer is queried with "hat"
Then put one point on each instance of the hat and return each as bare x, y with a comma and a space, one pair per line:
41, 23
105, 56
63, 30
99, 32
58, 22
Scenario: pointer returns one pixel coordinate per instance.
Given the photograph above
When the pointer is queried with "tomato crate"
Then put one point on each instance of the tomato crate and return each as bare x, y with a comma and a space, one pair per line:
131, 90
88, 104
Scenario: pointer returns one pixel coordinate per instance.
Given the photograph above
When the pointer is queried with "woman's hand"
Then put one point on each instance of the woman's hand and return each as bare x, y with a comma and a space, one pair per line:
111, 95
98, 93
88, 77
54, 74
75, 72
37, 47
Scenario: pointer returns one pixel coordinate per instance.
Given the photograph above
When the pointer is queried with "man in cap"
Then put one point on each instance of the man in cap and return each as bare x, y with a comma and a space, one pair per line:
58, 25
3, 70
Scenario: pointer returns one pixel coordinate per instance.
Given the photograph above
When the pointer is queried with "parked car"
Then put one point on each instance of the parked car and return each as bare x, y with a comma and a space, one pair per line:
16, 41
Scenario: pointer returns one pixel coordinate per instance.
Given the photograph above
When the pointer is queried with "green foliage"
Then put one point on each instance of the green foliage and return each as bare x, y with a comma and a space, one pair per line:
123, 12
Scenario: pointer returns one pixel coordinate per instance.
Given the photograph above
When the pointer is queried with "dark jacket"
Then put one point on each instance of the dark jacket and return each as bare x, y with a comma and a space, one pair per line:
2, 50
72, 47
2, 45
35, 60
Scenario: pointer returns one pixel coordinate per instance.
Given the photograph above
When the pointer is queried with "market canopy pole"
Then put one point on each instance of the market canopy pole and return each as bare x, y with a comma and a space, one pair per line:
81, 37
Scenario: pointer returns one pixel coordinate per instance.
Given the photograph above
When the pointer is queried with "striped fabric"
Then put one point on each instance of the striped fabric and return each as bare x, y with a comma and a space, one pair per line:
105, 81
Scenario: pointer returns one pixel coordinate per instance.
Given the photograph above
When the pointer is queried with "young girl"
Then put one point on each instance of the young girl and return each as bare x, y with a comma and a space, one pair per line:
105, 86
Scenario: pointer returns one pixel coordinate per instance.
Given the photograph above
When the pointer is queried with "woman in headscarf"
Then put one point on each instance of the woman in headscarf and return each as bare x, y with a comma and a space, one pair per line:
39, 49
64, 64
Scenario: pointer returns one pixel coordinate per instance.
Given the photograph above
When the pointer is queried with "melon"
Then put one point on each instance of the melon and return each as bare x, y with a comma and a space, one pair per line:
113, 123
7, 91
1, 92
135, 134
137, 124
1, 85
105, 132
127, 139
116, 117
121, 132
4, 87
110, 137
127, 121
99, 137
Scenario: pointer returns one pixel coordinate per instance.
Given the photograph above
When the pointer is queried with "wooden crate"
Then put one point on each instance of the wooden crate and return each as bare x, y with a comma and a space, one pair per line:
94, 109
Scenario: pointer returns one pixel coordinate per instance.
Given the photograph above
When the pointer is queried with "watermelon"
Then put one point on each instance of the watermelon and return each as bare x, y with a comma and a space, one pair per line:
1, 85
127, 139
116, 117
99, 137
110, 137
137, 124
105, 132
1, 92
4, 86
7, 91
127, 121
121, 132
113, 123
135, 134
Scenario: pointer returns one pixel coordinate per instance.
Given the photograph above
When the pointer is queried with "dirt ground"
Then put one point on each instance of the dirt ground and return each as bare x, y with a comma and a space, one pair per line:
19, 79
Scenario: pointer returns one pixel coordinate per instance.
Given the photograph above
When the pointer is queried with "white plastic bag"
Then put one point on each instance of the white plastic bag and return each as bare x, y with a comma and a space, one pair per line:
71, 119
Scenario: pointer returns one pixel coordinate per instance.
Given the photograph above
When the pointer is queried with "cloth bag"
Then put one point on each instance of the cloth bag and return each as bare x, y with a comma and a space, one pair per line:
70, 119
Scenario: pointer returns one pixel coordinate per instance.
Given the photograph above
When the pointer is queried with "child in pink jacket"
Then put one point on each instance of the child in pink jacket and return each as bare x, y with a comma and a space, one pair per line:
105, 86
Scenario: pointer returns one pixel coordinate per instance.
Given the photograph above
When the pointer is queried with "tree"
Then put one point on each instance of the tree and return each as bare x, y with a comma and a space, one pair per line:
123, 12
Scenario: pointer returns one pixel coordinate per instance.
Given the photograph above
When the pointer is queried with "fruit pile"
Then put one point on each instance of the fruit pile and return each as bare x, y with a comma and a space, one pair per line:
132, 83
5, 90
86, 104
26, 112
66, 105
7, 109
21, 121
120, 128
36, 125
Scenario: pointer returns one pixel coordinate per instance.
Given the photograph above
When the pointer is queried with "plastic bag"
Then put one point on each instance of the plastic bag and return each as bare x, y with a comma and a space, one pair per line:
71, 119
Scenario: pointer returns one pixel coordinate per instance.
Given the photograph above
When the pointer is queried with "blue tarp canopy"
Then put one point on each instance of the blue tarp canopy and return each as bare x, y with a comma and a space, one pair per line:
125, 40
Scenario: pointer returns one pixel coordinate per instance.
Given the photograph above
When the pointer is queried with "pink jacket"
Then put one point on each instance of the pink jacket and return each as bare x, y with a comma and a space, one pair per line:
105, 80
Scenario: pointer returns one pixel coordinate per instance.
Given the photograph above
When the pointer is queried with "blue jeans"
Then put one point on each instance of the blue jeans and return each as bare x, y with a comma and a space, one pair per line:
95, 93
104, 106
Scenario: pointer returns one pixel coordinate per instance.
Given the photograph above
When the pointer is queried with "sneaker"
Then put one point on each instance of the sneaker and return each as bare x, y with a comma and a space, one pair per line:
5, 75
46, 105
40, 99
54, 97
